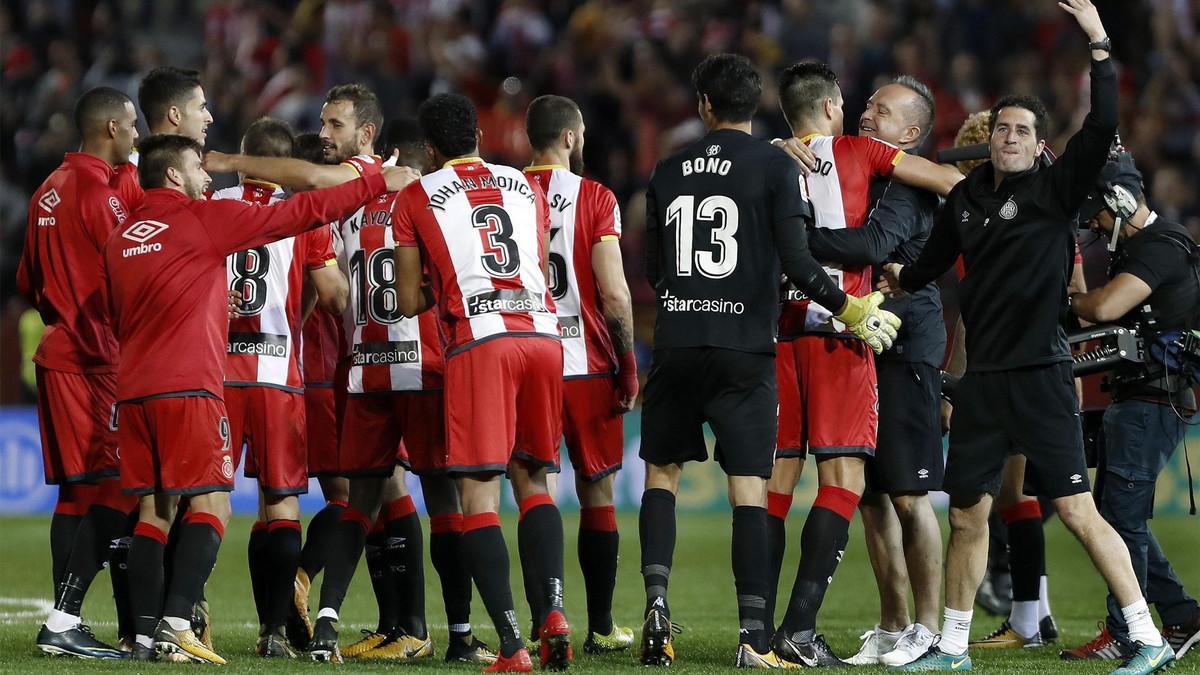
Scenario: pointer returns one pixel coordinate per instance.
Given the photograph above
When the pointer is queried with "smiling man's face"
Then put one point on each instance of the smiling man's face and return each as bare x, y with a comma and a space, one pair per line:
1014, 142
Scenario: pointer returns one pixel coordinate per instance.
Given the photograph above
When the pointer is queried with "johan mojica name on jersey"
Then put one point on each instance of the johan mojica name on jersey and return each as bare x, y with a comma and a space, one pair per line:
673, 303
504, 300
438, 199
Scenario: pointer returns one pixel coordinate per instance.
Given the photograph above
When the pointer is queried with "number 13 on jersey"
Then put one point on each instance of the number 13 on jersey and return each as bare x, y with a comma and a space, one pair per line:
718, 216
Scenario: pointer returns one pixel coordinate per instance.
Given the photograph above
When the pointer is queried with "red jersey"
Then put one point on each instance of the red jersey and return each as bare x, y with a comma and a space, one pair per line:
481, 228
582, 214
125, 182
387, 351
70, 218
840, 195
166, 279
319, 356
263, 338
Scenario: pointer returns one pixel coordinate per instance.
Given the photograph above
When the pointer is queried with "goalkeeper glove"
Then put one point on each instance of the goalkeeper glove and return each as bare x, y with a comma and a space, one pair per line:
863, 317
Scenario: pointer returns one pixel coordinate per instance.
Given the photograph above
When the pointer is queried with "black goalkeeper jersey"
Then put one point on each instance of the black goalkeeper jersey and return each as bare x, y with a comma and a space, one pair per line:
722, 216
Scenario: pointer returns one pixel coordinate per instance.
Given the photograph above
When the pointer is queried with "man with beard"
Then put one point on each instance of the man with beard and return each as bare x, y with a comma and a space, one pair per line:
600, 384
167, 292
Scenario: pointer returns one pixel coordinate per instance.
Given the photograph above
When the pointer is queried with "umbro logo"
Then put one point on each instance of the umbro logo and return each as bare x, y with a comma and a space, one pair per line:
141, 232
50, 200
923, 473
1076, 479
965, 216
144, 230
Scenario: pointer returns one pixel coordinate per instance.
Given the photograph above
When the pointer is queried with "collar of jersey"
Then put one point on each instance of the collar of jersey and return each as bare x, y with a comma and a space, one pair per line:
86, 159
544, 167
463, 160
263, 183
808, 138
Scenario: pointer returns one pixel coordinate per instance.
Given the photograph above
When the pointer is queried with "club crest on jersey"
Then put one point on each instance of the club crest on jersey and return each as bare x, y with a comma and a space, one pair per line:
143, 231
1009, 210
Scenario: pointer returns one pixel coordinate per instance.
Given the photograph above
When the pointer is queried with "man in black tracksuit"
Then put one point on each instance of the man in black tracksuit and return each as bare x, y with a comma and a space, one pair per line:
1010, 220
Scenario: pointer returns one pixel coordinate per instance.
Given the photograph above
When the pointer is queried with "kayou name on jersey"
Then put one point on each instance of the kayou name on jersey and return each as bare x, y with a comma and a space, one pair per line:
671, 303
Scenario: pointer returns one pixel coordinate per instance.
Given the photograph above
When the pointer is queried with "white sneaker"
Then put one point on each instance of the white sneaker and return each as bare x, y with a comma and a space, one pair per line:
875, 644
915, 641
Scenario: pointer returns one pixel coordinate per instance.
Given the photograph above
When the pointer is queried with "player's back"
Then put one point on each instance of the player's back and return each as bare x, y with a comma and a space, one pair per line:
840, 193
582, 214
482, 227
711, 210
264, 334
70, 218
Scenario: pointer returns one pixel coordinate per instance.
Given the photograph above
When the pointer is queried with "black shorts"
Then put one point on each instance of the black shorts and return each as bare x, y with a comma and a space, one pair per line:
908, 452
1033, 411
733, 391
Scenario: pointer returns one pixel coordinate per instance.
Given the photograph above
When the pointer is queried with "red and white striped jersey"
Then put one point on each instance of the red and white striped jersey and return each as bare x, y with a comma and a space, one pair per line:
265, 336
582, 214
840, 193
388, 352
481, 228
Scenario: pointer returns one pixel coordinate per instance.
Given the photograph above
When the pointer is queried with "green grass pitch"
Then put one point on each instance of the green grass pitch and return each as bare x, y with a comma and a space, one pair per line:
702, 600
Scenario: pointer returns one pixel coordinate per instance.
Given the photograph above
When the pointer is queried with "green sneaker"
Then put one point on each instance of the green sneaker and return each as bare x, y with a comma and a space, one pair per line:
936, 659
618, 639
1147, 660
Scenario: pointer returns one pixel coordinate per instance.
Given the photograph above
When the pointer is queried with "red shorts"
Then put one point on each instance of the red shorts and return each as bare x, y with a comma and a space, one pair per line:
177, 445
828, 398
592, 426
321, 421
75, 411
504, 401
387, 428
271, 424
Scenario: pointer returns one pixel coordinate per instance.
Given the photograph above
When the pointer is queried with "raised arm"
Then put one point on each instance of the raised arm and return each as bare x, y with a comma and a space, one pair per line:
235, 226
1074, 173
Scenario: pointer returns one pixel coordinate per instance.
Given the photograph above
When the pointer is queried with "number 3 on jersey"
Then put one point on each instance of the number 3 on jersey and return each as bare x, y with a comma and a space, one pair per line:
722, 213
500, 258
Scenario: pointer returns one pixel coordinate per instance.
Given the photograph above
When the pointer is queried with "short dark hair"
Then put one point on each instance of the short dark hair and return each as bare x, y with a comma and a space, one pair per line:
1031, 103
924, 104
546, 118
404, 134
367, 109
97, 106
268, 137
449, 123
160, 152
803, 88
732, 85
164, 87
309, 147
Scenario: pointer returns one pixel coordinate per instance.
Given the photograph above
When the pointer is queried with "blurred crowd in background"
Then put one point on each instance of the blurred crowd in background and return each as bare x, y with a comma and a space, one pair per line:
627, 63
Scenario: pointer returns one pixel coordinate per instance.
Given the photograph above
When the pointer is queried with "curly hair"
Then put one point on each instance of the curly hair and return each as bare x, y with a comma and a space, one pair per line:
975, 130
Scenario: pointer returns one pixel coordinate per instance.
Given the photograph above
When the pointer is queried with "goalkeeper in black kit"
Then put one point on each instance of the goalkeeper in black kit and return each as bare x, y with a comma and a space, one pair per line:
724, 215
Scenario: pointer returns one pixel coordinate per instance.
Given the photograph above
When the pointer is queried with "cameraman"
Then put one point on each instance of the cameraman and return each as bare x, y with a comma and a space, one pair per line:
1156, 264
